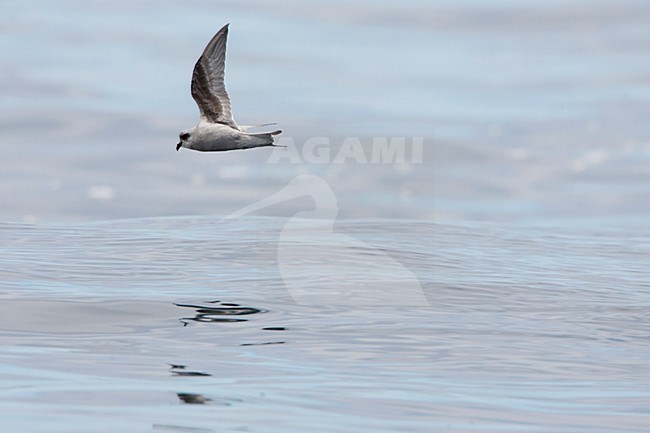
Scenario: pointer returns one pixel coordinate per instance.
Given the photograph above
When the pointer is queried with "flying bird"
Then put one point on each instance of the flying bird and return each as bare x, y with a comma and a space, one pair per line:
217, 130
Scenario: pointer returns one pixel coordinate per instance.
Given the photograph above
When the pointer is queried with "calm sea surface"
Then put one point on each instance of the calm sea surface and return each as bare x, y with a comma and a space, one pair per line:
501, 283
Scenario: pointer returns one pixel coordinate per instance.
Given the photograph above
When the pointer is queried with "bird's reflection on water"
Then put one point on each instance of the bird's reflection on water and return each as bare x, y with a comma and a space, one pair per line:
181, 370
216, 313
190, 398
263, 344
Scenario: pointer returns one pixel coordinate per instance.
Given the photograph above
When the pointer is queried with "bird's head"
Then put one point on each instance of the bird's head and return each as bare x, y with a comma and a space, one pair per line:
185, 139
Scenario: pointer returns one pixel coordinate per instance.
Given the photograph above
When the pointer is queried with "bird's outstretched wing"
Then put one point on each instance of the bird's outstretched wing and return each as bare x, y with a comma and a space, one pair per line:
208, 88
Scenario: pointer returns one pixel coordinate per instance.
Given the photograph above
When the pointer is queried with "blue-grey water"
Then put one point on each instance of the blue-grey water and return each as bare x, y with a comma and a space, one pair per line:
499, 284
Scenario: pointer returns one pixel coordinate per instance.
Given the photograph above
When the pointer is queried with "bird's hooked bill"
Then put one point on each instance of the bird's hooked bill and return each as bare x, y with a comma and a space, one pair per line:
178, 146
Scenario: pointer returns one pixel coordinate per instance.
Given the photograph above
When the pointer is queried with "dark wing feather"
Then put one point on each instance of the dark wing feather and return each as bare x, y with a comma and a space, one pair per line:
208, 88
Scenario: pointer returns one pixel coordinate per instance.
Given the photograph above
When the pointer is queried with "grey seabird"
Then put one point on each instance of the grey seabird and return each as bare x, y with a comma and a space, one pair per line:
217, 130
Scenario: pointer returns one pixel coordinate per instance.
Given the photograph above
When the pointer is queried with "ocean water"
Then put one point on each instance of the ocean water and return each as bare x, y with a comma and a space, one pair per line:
497, 283
185, 324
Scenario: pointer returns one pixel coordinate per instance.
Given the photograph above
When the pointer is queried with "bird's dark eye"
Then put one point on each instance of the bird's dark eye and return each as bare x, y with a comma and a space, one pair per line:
185, 135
